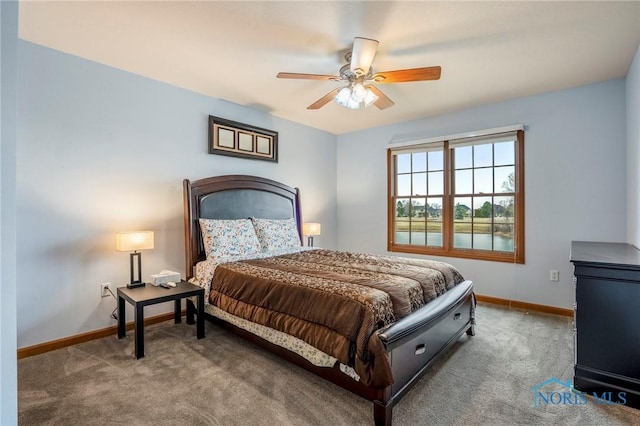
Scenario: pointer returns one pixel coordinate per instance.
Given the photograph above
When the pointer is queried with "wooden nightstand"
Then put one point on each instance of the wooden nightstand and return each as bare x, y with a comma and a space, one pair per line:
149, 295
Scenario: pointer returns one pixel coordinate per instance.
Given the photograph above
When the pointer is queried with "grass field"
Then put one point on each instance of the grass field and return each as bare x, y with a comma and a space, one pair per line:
480, 225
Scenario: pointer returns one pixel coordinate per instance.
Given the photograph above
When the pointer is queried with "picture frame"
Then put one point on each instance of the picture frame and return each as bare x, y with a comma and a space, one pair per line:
234, 139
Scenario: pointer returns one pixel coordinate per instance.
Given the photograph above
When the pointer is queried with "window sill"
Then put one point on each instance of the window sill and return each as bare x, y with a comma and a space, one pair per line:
459, 253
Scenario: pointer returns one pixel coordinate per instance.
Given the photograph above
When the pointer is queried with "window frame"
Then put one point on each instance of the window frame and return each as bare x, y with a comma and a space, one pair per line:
448, 197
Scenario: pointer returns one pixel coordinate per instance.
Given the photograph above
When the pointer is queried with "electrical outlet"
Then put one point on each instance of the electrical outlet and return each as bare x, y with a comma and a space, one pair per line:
554, 275
104, 289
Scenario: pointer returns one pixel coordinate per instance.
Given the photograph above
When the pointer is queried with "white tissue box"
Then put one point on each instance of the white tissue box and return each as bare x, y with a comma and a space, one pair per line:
164, 277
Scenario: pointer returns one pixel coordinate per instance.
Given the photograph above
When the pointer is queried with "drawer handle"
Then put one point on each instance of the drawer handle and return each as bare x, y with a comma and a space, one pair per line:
456, 317
420, 349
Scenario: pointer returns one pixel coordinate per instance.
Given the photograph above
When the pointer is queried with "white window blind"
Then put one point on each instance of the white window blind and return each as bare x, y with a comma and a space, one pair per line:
456, 140
425, 147
497, 138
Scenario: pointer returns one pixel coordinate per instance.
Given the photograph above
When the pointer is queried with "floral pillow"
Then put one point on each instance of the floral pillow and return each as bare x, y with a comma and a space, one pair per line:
223, 238
276, 234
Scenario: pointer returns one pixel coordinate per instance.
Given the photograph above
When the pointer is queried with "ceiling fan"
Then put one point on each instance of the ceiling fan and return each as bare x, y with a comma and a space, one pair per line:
358, 75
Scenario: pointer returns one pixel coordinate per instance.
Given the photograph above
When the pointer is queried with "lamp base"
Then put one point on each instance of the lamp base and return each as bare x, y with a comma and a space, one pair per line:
134, 285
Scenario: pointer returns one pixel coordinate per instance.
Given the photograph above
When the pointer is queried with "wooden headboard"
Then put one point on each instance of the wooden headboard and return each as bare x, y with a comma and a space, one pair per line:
233, 197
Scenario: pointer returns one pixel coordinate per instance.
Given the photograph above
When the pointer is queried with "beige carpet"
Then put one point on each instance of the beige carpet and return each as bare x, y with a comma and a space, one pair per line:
222, 380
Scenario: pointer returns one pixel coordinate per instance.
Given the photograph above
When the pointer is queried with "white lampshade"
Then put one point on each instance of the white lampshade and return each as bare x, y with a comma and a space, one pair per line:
343, 96
358, 92
353, 104
370, 98
134, 240
310, 229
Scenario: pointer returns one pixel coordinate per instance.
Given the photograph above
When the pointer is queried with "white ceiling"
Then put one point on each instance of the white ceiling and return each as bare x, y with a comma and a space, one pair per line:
488, 51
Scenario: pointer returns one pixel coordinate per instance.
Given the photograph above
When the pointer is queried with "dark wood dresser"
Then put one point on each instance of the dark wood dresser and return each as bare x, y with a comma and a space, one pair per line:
607, 321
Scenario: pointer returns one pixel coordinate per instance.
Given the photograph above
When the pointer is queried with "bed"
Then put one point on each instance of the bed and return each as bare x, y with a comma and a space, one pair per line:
382, 366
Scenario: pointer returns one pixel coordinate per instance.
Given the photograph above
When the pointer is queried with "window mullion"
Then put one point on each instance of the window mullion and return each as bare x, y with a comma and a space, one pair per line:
493, 197
447, 205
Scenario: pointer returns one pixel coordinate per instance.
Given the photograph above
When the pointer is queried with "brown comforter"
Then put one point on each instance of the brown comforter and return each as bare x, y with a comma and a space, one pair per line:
335, 301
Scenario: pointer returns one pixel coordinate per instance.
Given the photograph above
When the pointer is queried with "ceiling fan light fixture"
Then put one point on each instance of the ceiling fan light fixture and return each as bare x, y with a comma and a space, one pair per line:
369, 98
358, 92
353, 104
343, 96
355, 96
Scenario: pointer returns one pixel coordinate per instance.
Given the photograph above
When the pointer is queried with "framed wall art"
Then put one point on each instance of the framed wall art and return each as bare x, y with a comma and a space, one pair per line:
235, 139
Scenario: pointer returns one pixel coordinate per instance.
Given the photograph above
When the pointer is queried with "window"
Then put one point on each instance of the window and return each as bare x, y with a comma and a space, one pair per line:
460, 197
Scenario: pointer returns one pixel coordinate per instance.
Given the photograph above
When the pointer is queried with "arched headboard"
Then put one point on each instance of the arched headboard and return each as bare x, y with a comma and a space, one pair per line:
233, 197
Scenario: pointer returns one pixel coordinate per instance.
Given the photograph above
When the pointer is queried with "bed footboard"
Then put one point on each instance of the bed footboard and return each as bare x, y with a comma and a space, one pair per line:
416, 342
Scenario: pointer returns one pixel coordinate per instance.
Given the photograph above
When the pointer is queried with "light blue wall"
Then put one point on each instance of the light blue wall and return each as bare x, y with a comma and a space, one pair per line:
8, 99
102, 150
575, 183
633, 151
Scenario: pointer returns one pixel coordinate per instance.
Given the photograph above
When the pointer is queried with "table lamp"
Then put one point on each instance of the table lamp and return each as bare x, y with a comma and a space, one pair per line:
310, 230
134, 241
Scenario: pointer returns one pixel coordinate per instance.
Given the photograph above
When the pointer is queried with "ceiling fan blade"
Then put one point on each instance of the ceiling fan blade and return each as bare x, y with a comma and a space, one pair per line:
403, 76
324, 100
364, 49
383, 102
307, 76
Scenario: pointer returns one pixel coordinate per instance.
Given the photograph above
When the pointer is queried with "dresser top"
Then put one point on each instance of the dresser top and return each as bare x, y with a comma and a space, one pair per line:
605, 253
